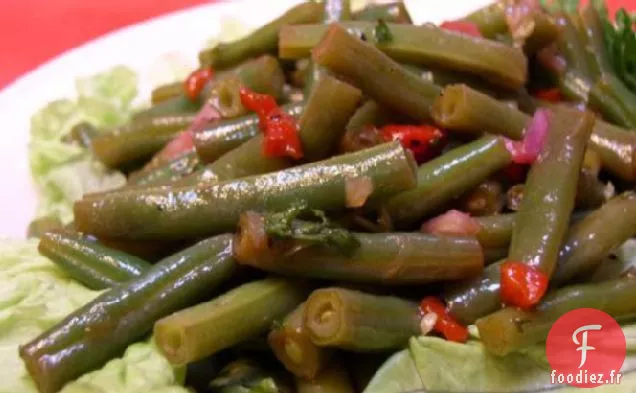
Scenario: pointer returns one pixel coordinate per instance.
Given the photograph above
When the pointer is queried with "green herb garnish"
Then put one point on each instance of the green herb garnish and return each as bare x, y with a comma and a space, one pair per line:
316, 228
382, 33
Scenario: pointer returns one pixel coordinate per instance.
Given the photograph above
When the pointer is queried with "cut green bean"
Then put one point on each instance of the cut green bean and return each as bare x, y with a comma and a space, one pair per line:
321, 126
398, 89
549, 195
83, 134
137, 140
92, 264
614, 100
593, 238
616, 146
226, 135
484, 200
358, 321
461, 108
186, 212
261, 41
171, 171
41, 225
362, 131
334, 379
572, 47
390, 13
424, 45
166, 92
511, 329
177, 106
495, 231
593, 37
205, 329
447, 177
385, 258
473, 299
292, 345
104, 327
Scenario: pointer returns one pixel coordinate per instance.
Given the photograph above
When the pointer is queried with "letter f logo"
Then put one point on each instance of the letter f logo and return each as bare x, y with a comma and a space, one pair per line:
583, 344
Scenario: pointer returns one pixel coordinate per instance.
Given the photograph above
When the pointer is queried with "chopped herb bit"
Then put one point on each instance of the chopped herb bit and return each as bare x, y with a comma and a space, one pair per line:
382, 33
316, 229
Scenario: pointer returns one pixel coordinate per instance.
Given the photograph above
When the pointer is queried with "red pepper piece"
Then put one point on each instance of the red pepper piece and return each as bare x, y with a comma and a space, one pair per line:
522, 285
279, 128
196, 81
550, 95
462, 26
445, 324
424, 141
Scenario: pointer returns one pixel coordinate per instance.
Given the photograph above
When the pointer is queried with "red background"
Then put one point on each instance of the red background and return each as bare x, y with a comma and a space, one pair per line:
34, 31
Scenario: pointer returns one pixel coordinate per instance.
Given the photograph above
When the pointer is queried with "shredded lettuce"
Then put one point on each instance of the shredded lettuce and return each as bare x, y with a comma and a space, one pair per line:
64, 172
34, 295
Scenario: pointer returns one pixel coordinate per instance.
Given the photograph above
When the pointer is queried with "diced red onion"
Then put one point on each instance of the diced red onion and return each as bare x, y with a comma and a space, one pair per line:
453, 222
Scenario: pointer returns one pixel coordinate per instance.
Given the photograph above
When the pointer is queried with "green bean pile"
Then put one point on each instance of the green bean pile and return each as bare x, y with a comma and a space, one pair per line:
223, 252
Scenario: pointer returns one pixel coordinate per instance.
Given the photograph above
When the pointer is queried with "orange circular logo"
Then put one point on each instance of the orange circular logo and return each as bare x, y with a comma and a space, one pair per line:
586, 348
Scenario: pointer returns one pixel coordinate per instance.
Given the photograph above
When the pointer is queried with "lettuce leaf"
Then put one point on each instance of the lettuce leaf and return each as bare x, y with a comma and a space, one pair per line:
34, 295
64, 172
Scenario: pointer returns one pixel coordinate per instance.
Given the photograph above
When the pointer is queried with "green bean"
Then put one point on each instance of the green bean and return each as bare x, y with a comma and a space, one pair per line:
292, 345
137, 140
447, 177
443, 77
361, 132
261, 41
461, 108
104, 327
424, 45
332, 380
92, 264
495, 231
593, 238
177, 106
510, 329
514, 196
185, 212
335, 11
572, 47
226, 135
386, 258
390, 13
576, 87
171, 171
358, 321
475, 298
82, 133
165, 92
205, 329
614, 100
484, 200
321, 126
398, 89
549, 195
41, 225
245, 375
593, 36
454, 109
590, 191
492, 23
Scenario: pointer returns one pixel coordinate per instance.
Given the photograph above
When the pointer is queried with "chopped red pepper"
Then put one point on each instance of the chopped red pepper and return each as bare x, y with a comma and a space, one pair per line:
279, 128
522, 285
424, 141
196, 81
445, 324
550, 95
462, 26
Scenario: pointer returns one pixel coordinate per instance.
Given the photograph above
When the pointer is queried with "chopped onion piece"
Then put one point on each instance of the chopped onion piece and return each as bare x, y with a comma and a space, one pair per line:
427, 324
357, 191
527, 150
453, 222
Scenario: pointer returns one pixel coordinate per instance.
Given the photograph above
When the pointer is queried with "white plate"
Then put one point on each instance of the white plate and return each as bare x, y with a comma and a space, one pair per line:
139, 47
